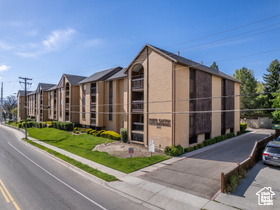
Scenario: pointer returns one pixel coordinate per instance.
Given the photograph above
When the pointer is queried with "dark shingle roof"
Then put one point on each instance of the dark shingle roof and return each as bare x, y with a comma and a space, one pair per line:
120, 74
45, 86
52, 88
31, 92
101, 75
187, 62
22, 92
74, 79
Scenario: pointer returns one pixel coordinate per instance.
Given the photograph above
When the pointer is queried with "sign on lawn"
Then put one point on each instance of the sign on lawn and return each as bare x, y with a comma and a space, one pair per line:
131, 151
151, 146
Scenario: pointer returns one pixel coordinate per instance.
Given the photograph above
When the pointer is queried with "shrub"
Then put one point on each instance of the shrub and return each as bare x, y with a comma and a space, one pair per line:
50, 126
243, 127
88, 130
123, 133
82, 131
75, 129
201, 145
238, 133
92, 132
98, 133
174, 150
30, 124
21, 121
189, 149
20, 125
196, 147
111, 135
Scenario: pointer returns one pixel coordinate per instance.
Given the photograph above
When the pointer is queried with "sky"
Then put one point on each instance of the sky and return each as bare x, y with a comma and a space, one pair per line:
42, 40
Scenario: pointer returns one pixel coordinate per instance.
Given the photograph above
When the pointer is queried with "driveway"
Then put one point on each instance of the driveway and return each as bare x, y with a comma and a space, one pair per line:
245, 197
200, 174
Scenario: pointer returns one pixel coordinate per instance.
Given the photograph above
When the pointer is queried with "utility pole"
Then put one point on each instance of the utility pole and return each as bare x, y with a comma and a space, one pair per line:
1, 101
25, 103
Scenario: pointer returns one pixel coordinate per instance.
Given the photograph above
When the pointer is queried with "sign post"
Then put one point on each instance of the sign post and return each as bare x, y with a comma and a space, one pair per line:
131, 153
151, 147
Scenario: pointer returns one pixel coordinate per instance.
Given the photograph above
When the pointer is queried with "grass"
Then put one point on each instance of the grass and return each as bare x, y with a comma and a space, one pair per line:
95, 172
83, 144
13, 124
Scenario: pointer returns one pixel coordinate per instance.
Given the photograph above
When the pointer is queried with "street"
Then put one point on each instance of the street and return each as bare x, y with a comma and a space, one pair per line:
30, 179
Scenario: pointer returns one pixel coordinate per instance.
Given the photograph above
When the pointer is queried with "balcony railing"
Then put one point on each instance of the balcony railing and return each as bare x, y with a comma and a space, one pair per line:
93, 121
67, 106
137, 106
137, 126
93, 91
66, 118
67, 94
137, 84
93, 107
137, 137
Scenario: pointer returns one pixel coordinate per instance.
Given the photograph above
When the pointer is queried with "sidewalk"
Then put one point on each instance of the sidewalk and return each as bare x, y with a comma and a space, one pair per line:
155, 195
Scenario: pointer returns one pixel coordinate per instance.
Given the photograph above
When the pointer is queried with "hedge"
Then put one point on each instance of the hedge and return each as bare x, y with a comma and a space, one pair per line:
243, 127
174, 150
66, 126
98, 133
111, 135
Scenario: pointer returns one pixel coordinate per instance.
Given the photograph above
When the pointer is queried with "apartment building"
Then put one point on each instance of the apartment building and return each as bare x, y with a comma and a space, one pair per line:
31, 104
99, 94
63, 99
170, 100
160, 96
21, 104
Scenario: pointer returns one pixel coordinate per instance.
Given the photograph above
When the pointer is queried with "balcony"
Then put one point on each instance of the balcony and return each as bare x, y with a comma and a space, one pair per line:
67, 106
67, 94
137, 126
93, 107
137, 106
93, 91
93, 121
137, 84
137, 137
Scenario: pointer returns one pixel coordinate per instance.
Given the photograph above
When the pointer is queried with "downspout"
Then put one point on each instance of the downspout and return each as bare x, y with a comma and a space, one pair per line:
173, 102
127, 104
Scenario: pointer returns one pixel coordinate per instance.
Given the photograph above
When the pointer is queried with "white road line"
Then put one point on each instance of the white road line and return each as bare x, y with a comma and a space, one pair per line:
58, 178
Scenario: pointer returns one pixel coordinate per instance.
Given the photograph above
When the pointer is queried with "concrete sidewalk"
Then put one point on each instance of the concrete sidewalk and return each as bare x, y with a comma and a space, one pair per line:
156, 195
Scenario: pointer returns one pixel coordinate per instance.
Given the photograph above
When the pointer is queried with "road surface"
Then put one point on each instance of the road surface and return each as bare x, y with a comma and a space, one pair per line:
30, 179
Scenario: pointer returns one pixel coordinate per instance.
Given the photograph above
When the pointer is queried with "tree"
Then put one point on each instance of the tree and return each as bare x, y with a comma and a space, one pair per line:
214, 66
14, 112
9, 104
271, 80
248, 87
276, 104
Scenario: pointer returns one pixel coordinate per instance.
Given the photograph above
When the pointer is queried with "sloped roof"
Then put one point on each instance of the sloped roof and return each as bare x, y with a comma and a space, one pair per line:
44, 86
31, 92
120, 74
101, 75
52, 88
22, 92
184, 61
74, 79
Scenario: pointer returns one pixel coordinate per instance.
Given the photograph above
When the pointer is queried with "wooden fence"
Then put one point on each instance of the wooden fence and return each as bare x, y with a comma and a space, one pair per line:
247, 164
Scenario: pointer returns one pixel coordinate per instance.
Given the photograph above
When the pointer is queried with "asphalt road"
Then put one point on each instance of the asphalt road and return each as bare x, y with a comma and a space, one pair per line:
200, 174
30, 179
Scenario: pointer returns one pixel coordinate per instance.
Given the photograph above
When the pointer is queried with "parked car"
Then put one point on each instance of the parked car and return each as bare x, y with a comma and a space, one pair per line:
271, 153
277, 139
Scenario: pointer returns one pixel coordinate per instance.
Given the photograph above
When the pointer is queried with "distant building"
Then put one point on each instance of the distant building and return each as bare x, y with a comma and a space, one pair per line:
21, 104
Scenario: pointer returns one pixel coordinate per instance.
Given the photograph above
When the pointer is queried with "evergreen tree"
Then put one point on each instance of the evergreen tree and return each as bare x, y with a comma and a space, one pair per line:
271, 80
214, 66
248, 87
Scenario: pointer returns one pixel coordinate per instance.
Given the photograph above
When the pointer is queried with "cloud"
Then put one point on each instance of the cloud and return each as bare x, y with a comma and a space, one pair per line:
92, 43
58, 37
51, 43
4, 68
31, 33
5, 46
0, 78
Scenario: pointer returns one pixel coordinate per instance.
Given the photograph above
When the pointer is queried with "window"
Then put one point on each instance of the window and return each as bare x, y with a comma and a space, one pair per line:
193, 139
84, 101
110, 100
50, 102
191, 121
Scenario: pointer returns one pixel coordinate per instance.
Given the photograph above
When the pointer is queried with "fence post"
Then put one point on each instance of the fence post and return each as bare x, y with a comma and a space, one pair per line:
222, 182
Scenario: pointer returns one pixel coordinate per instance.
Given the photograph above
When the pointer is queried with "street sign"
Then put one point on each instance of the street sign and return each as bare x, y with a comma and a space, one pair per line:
131, 151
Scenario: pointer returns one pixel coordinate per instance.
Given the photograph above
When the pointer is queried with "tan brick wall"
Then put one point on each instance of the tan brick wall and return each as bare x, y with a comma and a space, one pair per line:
237, 107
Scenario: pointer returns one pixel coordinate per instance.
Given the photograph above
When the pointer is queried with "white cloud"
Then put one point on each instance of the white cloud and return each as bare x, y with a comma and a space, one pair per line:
5, 46
4, 68
0, 78
58, 37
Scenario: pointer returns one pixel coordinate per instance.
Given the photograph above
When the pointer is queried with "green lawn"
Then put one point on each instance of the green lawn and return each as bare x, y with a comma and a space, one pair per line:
95, 172
13, 124
83, 144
